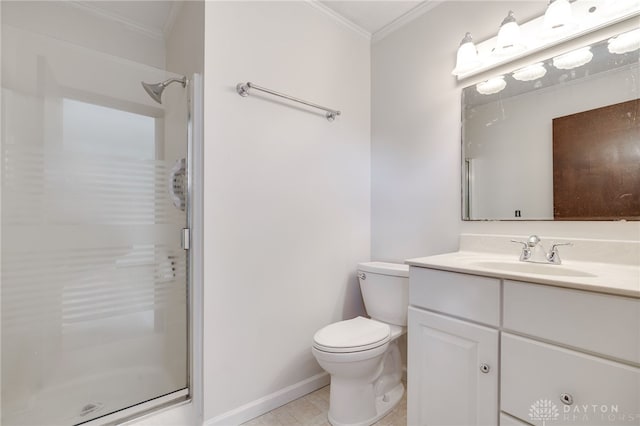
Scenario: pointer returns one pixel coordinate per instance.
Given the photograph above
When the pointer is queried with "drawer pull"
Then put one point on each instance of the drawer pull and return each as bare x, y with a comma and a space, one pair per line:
566, 398
485, 368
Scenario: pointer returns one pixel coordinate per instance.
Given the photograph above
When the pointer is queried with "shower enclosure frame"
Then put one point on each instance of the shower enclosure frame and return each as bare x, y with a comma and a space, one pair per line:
189, 400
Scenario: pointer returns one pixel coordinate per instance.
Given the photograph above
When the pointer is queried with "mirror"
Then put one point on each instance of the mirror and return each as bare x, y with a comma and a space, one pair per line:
559, 140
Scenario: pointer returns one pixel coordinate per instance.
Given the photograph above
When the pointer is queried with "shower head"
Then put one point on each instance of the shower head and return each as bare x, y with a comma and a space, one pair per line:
155, 90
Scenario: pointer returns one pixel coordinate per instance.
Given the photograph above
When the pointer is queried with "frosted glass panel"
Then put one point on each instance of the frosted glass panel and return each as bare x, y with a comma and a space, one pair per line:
101, 130
94, 280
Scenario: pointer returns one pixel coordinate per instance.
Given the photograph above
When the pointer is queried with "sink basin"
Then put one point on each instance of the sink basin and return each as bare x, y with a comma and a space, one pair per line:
532, 268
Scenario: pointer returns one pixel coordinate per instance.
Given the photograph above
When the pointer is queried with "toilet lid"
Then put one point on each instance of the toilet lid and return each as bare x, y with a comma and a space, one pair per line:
357, 334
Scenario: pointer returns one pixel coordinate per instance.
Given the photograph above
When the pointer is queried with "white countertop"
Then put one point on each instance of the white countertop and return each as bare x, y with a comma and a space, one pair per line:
612, 278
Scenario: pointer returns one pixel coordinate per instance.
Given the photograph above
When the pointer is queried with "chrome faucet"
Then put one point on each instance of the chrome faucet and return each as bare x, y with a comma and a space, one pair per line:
533, 251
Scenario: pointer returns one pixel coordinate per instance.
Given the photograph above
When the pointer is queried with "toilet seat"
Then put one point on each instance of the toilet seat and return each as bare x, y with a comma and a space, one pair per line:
354, 335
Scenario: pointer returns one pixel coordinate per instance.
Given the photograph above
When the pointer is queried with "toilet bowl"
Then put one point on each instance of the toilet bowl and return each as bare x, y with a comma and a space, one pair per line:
362, 354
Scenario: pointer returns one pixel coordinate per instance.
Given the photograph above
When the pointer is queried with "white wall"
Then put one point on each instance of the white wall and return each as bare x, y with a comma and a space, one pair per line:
416, 172
72, 22
287, 199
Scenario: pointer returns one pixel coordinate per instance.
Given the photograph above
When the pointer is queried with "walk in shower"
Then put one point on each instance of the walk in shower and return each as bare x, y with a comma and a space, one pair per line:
95, 202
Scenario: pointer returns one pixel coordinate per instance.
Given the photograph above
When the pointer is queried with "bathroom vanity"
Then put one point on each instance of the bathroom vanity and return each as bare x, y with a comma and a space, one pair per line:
501, 337
496, 341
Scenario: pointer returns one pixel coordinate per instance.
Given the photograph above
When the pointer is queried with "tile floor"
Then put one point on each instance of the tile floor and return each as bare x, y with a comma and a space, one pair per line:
312, 409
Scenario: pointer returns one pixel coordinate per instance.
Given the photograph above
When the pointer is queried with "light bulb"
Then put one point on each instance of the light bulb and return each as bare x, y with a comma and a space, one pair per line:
531, 72
624, 43
467, 57
573, 59
509, 37
558, 19
491, 86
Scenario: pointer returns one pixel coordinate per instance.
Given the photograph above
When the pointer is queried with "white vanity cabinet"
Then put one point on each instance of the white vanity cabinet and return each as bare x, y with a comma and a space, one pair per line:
576, 352
489, 351
452, 362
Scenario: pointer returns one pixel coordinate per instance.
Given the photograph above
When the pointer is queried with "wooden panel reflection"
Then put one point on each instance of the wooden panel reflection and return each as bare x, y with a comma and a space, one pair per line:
596, 164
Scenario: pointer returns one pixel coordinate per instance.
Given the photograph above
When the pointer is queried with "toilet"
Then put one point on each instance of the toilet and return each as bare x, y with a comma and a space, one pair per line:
362, 354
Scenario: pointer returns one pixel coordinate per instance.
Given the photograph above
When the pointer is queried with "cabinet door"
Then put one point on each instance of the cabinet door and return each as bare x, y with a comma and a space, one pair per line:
446, 381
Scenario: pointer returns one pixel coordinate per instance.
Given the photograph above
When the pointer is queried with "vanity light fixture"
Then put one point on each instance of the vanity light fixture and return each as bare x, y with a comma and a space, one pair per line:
563, 20
558, 19
624, 43
574, 59
530, 72
509, 40
467, 57
491, 86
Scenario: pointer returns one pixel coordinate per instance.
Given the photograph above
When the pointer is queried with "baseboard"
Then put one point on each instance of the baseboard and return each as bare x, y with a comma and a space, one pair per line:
270, 402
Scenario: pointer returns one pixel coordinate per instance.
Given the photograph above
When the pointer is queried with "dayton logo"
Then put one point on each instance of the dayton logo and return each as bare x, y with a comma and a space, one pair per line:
544, 410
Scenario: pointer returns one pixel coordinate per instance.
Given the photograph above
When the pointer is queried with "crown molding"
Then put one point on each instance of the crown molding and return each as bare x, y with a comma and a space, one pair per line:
404, 19
99, 12
339, 18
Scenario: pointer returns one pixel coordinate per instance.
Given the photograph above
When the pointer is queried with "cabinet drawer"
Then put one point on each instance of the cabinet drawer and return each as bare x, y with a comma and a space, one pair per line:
534, 375
467, 296
600, 323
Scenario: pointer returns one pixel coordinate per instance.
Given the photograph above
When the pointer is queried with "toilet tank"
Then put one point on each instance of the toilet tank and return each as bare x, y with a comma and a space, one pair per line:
385, 291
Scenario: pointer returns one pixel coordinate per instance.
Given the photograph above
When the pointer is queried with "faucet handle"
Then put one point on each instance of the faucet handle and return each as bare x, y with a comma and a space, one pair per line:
526, 251
554, 256
553, 246
533, 241
524, 244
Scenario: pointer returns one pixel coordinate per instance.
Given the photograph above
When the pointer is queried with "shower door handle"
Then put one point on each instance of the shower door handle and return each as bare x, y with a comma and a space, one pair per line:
185, 239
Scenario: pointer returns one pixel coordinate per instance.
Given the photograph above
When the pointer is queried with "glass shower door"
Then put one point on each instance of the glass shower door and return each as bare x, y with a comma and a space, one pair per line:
94, 279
